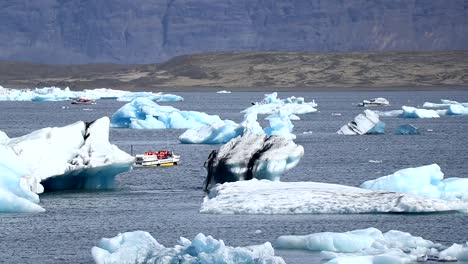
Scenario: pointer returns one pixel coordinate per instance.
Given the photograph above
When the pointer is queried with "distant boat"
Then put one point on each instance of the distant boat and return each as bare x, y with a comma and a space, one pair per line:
83, 101
156, 159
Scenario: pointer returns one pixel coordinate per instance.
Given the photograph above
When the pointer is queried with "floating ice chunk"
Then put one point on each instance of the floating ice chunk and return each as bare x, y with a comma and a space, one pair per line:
140, 247
15, 194
281, 113
372, 246
392, 113
252, 156
444, 103
457, 110
144, 113
216, 133
407, 130
274, 197
379, 128
375, 161
77, 156
411, 112
380, 101
424, 181
362, 124
58, 94
223, 92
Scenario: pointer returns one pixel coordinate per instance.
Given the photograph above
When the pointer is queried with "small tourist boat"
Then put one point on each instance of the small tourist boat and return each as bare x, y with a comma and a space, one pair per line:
156, 159
84, 101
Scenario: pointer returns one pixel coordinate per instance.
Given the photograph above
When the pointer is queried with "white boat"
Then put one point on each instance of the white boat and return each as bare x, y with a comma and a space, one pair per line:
157, 158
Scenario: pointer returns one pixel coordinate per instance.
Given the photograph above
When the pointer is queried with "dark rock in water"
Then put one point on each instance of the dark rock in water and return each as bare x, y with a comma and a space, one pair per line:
407, 130
147, 31
251, 156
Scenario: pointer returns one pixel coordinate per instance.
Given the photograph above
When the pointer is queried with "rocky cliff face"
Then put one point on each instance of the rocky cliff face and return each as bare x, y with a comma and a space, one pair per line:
146, 31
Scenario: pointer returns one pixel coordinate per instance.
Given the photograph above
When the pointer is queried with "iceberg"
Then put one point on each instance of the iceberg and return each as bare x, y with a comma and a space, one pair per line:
223, 92
444, 103
407, 130
77, 156
252, 156
140, 247
412, 112
58, 94
143, 113
427, 181
280, 111
373, 246
380, 101
15, 194
457, 110
275, 197
366, 123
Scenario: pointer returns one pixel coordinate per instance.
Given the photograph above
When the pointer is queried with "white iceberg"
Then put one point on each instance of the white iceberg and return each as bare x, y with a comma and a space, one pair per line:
275, 197
252, 156
425, 181
280, 111
372, 246
77, 156
223, 92
457, 110
379, 101
140, 247
15, 193
58, 94
143, 113
444, 103
366, 123
412, 112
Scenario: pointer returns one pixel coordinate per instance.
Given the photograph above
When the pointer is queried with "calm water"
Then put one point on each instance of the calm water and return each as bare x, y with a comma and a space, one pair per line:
165, 201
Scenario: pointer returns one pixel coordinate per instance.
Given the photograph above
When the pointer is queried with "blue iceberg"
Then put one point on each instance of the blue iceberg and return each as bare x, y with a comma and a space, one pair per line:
412, 112
373, 246
407, 130
143, 113
280, 111
77, 156
427, 181
140, 247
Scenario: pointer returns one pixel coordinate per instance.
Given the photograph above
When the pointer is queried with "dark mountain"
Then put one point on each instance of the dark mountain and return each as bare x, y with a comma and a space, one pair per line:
148, 31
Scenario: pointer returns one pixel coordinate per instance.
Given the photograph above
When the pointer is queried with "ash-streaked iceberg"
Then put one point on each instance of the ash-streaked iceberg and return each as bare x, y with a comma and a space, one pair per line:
140, 247
373, 246
143, 113
58, 94
365, 123
275, 197
280, 111
252, 156
427, 181
77, 156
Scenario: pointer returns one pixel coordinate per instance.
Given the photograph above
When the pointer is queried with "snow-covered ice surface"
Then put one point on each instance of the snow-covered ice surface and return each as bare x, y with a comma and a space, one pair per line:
364, 123
252, 156
77, 156
372, 246
59, 94
425, 181
280, 111
139, 247
274, 197
143, 113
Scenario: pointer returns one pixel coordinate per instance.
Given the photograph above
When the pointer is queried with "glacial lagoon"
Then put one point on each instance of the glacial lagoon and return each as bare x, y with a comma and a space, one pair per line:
166, 201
